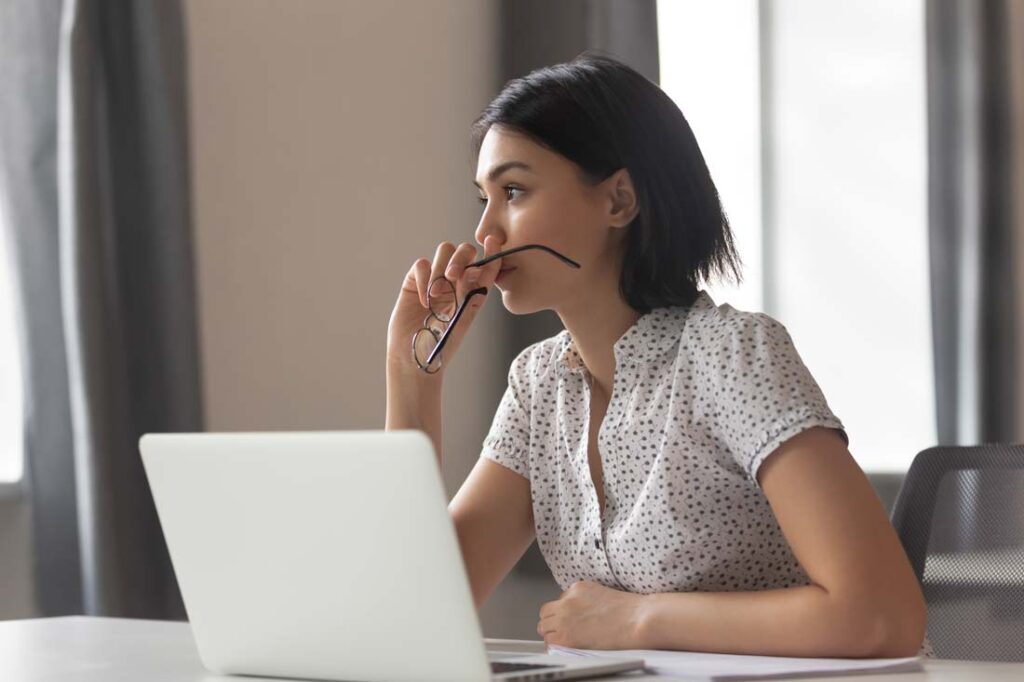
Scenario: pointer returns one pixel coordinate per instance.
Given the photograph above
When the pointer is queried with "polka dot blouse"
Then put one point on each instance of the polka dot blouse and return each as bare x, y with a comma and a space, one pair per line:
701, 396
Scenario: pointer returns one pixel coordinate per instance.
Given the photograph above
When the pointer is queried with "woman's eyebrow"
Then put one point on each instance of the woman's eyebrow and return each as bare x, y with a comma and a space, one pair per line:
501, 168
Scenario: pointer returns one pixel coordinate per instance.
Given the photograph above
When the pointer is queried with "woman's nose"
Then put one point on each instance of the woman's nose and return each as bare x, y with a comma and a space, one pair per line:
486, 227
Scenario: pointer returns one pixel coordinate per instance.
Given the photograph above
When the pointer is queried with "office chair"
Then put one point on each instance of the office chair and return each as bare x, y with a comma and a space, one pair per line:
960, 516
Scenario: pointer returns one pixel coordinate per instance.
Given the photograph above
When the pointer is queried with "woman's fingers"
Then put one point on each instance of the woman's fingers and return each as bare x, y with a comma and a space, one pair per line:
441, 258
421, 281
450, 262
463, 255
489, 272
421, 271
457, 273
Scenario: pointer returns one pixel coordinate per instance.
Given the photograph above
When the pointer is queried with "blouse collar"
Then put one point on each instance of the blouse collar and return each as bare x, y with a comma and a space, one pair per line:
653, 334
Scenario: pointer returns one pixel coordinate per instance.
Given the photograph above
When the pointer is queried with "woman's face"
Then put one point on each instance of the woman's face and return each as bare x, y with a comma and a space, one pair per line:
536, 196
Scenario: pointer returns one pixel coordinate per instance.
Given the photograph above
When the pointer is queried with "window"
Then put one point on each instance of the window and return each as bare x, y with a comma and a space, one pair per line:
11, 458
811, 115
721, 104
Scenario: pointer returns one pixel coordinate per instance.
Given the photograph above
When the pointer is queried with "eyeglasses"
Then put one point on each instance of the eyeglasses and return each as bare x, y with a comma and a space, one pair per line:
445, 310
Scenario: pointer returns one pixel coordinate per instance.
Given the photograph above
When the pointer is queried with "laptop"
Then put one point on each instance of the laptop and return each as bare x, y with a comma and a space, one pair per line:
327, 555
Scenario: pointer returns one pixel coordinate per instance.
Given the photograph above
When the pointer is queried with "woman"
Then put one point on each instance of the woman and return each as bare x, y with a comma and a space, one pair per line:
686, 481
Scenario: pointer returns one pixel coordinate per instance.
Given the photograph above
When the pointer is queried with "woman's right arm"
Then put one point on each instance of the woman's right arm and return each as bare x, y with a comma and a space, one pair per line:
415, 405
414, 396
492, 510
493, 517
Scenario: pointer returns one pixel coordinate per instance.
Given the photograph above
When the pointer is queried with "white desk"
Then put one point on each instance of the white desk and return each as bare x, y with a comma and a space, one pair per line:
86, 649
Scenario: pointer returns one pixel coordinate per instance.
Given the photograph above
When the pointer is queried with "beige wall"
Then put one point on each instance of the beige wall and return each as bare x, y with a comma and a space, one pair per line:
331, 149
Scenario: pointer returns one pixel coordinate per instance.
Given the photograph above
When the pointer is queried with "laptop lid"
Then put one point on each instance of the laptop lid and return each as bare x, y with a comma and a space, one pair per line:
319, 554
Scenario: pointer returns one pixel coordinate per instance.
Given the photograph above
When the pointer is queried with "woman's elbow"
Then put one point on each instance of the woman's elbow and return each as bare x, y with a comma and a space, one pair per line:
892, 630
908, 630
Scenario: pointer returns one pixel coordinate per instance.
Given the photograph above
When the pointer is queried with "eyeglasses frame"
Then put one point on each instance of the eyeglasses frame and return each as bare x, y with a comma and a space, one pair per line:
460, 308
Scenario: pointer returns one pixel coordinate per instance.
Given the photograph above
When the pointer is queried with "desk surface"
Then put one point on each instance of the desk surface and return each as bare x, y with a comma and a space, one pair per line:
86, 649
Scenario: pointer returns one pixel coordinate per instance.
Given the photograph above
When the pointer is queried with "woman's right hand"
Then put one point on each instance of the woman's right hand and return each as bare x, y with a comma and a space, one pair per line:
412, 309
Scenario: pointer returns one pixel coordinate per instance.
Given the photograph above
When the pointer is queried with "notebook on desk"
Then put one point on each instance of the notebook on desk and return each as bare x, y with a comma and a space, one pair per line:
327, 555
695, 666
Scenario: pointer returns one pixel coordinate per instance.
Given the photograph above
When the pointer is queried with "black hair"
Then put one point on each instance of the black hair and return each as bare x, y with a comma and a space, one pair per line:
602, 115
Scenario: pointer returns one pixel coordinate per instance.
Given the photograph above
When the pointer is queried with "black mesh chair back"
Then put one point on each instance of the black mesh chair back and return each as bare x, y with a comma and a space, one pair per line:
960, 516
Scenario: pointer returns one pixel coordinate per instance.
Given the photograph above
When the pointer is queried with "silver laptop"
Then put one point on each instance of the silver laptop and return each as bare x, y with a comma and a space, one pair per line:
327, 555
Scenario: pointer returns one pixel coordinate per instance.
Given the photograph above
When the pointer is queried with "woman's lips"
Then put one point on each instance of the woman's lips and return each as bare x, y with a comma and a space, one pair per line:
503, 272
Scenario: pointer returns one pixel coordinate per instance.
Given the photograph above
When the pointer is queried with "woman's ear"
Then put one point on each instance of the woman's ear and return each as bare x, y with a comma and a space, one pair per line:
621, 195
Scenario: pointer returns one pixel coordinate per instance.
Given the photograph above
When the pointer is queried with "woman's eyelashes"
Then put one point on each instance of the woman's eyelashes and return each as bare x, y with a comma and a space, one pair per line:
509, 190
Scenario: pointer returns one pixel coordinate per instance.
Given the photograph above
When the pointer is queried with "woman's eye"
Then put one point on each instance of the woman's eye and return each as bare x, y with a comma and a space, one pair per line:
508, 194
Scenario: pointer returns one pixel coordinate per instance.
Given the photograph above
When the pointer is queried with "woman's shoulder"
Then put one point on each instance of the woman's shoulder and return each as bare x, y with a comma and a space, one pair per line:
723, 318
711, 326
538, 360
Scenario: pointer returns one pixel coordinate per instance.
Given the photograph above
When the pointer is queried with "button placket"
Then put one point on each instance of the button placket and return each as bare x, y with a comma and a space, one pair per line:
599, 558
614, 408
575, 382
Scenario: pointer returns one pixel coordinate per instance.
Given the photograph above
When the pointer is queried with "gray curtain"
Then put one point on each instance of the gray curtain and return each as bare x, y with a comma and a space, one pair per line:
95, 172
976, 174
975, 59
29, 39
538, 33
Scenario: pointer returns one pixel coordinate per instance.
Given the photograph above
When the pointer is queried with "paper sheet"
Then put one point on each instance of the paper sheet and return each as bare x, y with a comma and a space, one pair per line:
687, 665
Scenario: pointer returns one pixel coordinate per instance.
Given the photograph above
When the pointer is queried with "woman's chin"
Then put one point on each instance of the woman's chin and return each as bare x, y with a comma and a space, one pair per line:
517, 306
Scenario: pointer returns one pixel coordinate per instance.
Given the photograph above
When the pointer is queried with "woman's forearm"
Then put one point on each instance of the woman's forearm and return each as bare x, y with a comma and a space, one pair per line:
798, 621
415, 403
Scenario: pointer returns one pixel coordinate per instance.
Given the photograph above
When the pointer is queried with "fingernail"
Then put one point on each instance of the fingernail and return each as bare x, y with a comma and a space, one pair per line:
474, 275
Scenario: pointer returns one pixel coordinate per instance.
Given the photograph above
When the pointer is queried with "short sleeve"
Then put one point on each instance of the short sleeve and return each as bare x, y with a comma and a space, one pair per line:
764, 393
507, 442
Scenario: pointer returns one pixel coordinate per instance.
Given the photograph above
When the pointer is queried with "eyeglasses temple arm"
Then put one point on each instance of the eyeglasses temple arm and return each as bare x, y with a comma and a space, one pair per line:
455, 320
488, 259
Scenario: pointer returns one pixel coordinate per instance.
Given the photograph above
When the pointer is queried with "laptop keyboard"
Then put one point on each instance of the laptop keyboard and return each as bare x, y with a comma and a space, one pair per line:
508, 667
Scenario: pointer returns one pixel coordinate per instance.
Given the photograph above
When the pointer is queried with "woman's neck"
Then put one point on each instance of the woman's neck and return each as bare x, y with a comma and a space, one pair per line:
595, 324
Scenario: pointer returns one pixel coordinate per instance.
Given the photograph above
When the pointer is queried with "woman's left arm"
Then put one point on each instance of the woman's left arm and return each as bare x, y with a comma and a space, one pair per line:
863, 600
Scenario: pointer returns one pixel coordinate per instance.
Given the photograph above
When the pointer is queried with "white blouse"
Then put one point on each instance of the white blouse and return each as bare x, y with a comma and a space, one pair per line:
701, 396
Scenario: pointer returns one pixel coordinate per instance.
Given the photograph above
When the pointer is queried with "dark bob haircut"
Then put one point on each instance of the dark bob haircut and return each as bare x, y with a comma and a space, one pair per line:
602, 115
